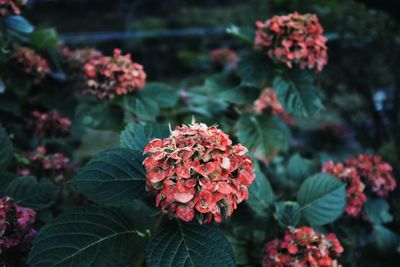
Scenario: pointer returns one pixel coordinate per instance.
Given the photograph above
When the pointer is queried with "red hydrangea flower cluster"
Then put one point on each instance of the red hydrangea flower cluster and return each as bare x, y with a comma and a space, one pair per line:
224, 57
16, 232
50, 124
76, 59
31, 63
110, 76
197, 171
41, 164
303, 247
354, 187
293, 40
11, 7
377, 174
268, 101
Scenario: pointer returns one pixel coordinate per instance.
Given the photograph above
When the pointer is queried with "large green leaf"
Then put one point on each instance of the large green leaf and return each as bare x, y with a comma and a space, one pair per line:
101, 116
18, 25
385, 239
377, 211
28, 192
5, 179
245, 34
6, 149
137, 135
287, 213
227, 87
264, 133
322, 198
164, 95
113, 177
254, 68
299, 168
260, 193
179, 244
145, 108
297, 93
93, 236
44, 39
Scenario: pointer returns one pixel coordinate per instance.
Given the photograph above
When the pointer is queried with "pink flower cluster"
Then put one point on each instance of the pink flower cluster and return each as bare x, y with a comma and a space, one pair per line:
293, 40
31, 63
376, 173
16, 232
41, 164
355, 197
76, 59
11, 7
50, 124
268, 101
109, 76
303, 247
224, 57
197, 171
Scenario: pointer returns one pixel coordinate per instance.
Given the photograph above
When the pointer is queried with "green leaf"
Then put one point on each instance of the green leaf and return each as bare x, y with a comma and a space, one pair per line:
18, 25
261, 195
297, 93
377, 211
262, 132
299, 168
245, 34
322, 198
179, 244
137, 135
164, 95
113, 177
28, 192
287, 213
385, 239
93, 236
6, 149
44, 39
254, 68
100, 116
2, 86
5, 179
144, 108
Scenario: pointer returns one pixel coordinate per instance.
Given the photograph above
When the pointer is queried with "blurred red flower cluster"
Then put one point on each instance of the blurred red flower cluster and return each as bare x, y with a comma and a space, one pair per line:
11, 7
224, 57
303, 247
107, 77
197, 171
40, 163
76, 59
376, 173
354, 187
268, 102
16, 232
50, 124
31, 63
293, 40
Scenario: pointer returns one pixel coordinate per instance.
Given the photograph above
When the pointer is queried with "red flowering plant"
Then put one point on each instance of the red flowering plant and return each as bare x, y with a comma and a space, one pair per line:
50, 124
40, 163
303, 247
11, 7
355, 197
16, 233
107, 77
198, 172
293, 39
376, 173
30, 63
224, 57
268, 102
